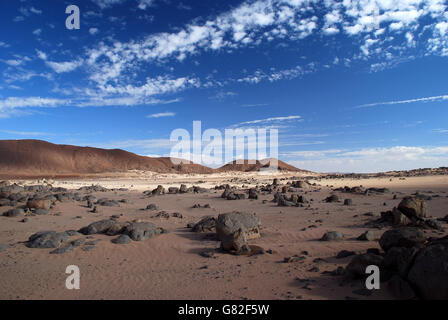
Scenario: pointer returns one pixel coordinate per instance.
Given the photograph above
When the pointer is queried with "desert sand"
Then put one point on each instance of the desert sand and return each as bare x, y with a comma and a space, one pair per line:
173, 265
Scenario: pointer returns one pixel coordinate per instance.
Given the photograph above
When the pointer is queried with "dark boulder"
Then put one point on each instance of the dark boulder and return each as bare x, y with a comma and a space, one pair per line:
413, 208
429, 273
206, 224
229, 223
18, 212
407, 237
400, 288
106, 226
332, 198
357, 267
39, 204
47, 239
139, 231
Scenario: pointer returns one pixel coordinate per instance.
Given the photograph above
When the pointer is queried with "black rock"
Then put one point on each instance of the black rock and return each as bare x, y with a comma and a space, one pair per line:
18, 212
367, 236
400, 288
344, 254
47, 239
122, 239
402, 237
429, 272
206, 224
41, 212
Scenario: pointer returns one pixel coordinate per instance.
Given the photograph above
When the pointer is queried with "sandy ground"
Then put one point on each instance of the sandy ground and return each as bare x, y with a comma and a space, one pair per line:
169, 266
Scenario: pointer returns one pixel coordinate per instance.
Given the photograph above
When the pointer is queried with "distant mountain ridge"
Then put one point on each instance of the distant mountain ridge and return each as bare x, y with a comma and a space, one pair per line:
37, 158
257, 165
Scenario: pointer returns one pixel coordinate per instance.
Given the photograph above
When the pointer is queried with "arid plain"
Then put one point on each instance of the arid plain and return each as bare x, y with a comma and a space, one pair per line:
291, 260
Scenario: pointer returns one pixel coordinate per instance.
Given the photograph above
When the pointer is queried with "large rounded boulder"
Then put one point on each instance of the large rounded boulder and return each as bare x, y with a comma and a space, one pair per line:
429, 273
413, 208
357, 267
407, 237
229, 223
106, 226
47, 239
139, 231
39, 204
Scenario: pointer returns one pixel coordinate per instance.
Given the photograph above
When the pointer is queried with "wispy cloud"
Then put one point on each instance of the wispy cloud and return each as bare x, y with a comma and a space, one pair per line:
9, 106
270, 120
18, 102
370, 159
426, 99
59, 67
93, 31
161, 115
440, 130
253, 105
25, 133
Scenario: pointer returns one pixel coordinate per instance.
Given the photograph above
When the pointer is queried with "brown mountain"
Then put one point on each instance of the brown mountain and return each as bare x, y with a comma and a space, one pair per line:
35, 158
252, 165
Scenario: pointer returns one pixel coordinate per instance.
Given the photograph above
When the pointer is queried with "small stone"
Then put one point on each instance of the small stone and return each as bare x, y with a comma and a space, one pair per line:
207, 254
332, 236
367, 236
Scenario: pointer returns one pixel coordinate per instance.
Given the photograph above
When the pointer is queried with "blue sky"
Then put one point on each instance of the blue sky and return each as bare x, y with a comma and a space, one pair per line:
352, 86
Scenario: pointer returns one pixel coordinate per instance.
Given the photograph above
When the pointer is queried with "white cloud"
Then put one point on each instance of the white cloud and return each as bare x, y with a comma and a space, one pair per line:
373, 159
426, 99
35, 11
251, 105
37, 32
153, 86
141, 4
144, 4
10, 105
41, 55
277, 75
17, 102
103, 4
441, 130
442, 27
61, 67
25, 133
22, 75
13, 62
28, 11
115, 66
273, 119
93, 31
161, 115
